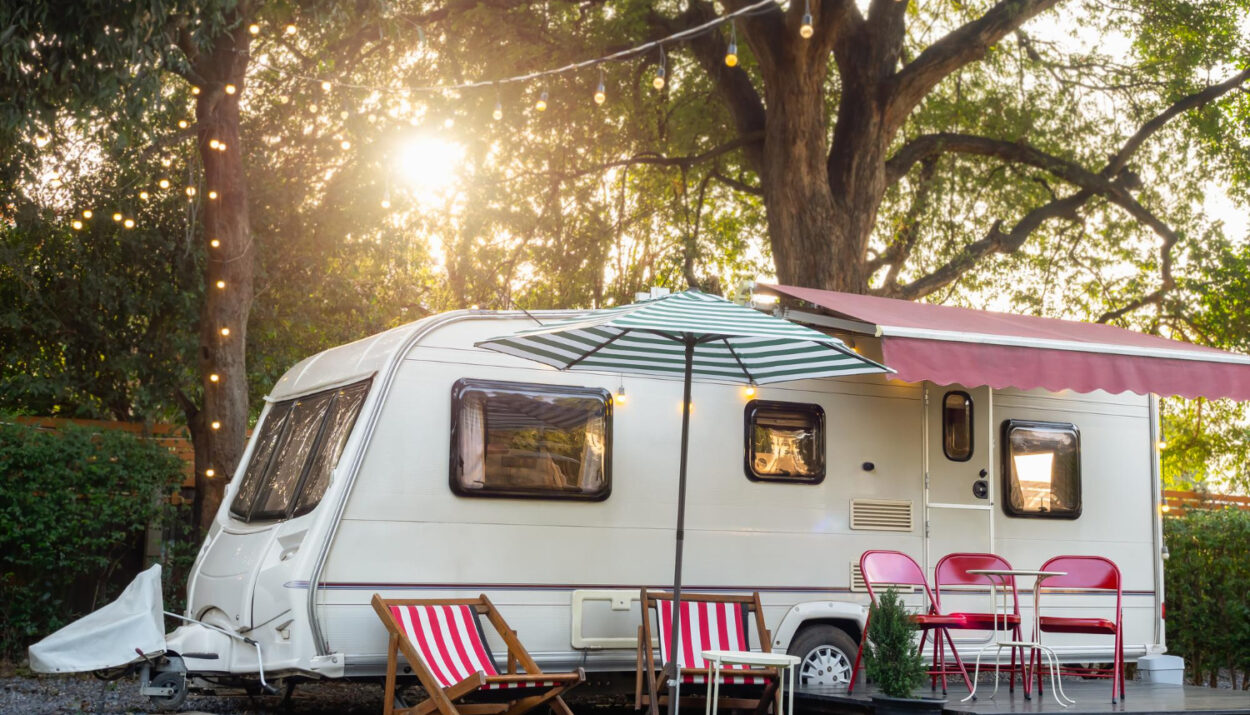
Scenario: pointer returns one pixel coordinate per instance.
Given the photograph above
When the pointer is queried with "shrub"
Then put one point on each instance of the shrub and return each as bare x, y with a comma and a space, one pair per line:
1207, 578
74, 506
890, 655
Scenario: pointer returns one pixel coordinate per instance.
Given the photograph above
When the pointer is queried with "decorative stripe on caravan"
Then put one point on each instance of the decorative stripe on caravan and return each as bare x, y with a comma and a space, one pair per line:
450, 644
707, 626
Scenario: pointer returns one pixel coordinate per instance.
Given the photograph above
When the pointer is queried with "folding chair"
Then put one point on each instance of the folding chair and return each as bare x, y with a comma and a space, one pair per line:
709, 622
952, 570
1088, 574
894, 568
443, 641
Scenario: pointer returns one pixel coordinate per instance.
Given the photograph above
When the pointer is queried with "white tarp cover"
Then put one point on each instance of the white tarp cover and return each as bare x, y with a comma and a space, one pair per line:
108, 637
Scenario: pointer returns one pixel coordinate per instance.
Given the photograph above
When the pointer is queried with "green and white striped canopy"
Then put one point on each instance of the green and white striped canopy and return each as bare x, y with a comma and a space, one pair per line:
650, 337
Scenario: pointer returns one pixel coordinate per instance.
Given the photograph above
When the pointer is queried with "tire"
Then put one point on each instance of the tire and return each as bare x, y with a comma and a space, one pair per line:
174, 679
826, 654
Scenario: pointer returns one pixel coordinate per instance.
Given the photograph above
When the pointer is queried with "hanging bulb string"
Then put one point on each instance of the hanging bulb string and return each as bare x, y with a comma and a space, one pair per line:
628, 53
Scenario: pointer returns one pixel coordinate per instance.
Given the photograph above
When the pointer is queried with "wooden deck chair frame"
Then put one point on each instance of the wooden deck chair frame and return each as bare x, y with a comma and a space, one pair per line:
651, 688
443, 700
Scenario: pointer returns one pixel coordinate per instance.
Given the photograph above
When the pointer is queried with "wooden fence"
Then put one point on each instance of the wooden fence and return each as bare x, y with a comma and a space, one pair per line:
1176, 503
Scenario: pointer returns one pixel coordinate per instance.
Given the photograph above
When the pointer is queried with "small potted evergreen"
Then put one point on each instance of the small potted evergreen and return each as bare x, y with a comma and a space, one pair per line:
892, 661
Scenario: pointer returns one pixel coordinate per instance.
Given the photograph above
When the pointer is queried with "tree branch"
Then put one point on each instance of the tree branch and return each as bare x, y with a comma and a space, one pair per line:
960, 47
736, 184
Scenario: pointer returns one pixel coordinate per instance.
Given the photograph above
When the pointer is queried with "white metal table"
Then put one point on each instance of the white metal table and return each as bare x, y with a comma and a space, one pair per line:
782, 662
999, 579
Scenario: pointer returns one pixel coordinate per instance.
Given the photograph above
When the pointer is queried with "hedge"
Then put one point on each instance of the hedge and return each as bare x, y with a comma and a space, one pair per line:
1208, 579
74, 507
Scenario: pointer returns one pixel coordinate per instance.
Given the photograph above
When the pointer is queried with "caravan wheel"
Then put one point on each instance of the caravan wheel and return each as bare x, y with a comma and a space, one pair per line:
826, 654
169, 679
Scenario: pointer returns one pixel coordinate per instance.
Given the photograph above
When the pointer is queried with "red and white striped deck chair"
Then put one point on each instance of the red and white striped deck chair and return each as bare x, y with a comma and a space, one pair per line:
443, 642
708, 622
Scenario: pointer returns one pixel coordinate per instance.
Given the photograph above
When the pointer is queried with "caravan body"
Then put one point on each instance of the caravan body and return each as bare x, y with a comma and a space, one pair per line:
362, 477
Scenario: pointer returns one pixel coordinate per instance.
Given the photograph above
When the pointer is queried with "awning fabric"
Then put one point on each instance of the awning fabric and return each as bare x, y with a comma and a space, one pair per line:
945, 345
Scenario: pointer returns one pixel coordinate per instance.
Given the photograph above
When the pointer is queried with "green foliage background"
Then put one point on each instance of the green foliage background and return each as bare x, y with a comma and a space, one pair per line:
1207, 578
74, 506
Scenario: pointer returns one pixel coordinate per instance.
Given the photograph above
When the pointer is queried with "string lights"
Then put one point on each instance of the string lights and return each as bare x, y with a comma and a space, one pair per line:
600, 94
806, 30
731, 54
658, 81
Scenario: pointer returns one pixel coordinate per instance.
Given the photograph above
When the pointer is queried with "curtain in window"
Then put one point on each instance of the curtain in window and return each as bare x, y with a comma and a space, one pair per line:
473, 441
592, 455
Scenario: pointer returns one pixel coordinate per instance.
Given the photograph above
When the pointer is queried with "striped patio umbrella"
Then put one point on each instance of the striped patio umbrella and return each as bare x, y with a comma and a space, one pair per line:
688, 334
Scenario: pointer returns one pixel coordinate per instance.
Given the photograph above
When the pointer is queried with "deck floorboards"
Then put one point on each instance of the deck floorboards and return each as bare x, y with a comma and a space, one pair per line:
1091, 697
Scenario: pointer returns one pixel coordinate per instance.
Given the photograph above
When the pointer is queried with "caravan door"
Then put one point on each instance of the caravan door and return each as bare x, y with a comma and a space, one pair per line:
958, 494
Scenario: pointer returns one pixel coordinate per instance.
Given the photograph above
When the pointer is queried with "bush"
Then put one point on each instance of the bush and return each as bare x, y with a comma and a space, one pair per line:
74, 506
1207, 578
890, 656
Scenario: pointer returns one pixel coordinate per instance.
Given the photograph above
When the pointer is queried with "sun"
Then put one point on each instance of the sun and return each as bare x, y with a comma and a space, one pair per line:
429, 165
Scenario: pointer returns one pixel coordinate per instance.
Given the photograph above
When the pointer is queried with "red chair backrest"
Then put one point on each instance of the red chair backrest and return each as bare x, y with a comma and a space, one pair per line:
952, 570
1093, 572
892, 568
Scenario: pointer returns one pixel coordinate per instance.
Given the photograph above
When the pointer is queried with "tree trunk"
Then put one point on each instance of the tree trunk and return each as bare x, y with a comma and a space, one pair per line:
228, 275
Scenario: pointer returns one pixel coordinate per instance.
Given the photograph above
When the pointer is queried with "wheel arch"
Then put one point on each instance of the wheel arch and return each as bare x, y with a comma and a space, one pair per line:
850, 617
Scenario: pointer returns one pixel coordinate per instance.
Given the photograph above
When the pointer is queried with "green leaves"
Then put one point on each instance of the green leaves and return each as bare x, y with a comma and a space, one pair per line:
74, 505
891, 658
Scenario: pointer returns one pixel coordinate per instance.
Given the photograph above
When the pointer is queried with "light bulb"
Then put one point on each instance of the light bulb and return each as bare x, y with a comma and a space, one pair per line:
212, 195
129, 223
498, 113
658, 81
214, 377
166, 161
164, 183
195, 90
210, 472
117, 217
190, 191
231, 89
620, 397
325, 86
290, 29
215, 243
254, 29
225, 332
182, 124
541, 104
731, 56
87, 213
221, 285
600, 95
386, 203
213, 143
750, 390
215, 425
345, 145
77, 225
221, 146
806, 30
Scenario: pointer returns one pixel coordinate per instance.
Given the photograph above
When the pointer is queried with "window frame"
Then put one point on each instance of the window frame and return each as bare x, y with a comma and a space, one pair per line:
1006, 468
465, 385
749, 413
301, 480
972, 423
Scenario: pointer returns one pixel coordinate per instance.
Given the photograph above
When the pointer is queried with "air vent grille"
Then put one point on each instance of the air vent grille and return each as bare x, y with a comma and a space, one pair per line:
857, 580
881, 514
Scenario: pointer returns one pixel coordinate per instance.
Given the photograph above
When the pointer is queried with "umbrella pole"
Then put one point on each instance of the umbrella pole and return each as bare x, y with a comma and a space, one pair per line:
675, 642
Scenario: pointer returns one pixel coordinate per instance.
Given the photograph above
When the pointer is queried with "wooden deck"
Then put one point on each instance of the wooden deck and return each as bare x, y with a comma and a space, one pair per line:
1091, 697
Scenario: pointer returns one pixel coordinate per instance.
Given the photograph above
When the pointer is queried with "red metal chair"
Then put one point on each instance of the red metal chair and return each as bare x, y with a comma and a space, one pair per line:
1088, 574
952, 570
894, 568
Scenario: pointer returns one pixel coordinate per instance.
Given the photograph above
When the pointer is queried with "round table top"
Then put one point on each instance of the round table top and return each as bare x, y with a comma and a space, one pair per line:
1017, 572
745, 657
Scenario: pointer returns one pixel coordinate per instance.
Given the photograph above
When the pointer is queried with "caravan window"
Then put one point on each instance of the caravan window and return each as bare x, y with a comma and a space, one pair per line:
299, 445
1042, 469
785, 442
957, 426
512, 439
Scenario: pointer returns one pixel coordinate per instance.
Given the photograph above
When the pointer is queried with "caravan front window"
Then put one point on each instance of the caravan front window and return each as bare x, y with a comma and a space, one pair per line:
300, 443
511, 439
1042, 469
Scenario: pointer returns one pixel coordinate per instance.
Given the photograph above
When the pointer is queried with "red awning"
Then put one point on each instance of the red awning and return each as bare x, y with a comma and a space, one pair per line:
945, 345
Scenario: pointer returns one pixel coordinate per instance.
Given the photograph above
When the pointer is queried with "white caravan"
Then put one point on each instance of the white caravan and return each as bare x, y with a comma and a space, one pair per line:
412, 464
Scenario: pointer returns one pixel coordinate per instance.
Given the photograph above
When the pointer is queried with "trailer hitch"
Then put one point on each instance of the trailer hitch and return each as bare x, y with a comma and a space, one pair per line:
260, 662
